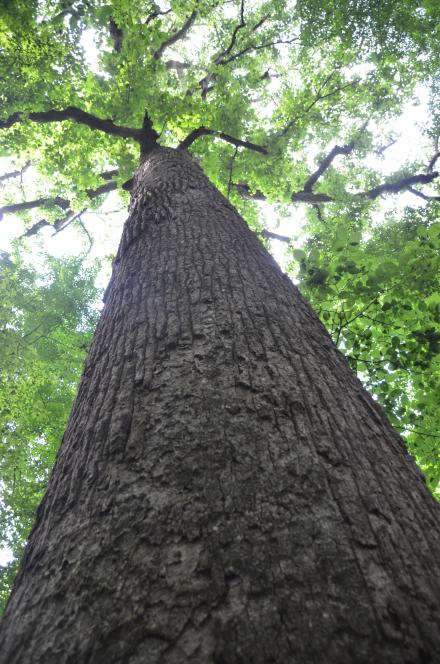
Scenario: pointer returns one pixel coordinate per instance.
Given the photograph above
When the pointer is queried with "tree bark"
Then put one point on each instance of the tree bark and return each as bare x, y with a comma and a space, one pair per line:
226, 491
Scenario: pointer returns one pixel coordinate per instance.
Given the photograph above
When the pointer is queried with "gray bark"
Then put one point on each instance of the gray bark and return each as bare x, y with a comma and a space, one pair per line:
226, 491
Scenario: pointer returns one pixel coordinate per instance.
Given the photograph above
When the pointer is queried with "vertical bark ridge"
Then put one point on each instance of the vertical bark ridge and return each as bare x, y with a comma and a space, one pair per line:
226, 491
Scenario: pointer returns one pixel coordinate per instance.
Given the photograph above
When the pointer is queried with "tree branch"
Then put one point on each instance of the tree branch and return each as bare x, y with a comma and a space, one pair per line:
14, 174
317, 199
380, 151
63, 203
258, 47
39, 202
297, 197
83, 226
326, 162
33, 230
146, 136
77, 115
310, 197
155, 14
274, 236
418, 193
179, 34
109, 175
219, 58
102, 189
178, 66
432, 162
318, 213
204, 131
116, 34
395, 187
244, 190
60, 224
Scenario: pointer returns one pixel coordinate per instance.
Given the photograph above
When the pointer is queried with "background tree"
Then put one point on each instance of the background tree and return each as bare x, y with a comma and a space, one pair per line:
266, 88
46, 321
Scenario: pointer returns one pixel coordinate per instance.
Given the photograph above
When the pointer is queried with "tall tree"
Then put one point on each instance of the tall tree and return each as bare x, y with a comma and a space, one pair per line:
225, 491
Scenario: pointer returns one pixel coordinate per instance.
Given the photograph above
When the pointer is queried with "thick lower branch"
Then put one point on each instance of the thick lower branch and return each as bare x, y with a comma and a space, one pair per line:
77, 115
39, 202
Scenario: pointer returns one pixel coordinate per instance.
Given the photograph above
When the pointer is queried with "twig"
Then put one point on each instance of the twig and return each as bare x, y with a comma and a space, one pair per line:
380, 151
422, 432
83, 226
61, 224
319, 97
258, 47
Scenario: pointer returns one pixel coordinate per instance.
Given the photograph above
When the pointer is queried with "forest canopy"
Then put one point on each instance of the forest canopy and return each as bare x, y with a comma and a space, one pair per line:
292, 110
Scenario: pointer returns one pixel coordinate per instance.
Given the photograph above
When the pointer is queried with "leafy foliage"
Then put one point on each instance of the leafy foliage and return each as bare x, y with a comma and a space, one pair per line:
379, 297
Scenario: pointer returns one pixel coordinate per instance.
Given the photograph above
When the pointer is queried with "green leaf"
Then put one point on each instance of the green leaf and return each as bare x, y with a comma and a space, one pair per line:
299, 255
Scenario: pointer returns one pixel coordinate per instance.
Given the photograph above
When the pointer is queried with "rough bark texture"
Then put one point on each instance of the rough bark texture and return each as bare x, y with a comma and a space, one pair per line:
226, 491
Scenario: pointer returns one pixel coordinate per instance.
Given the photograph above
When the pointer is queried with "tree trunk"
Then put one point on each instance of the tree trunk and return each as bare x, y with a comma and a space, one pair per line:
226, 491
